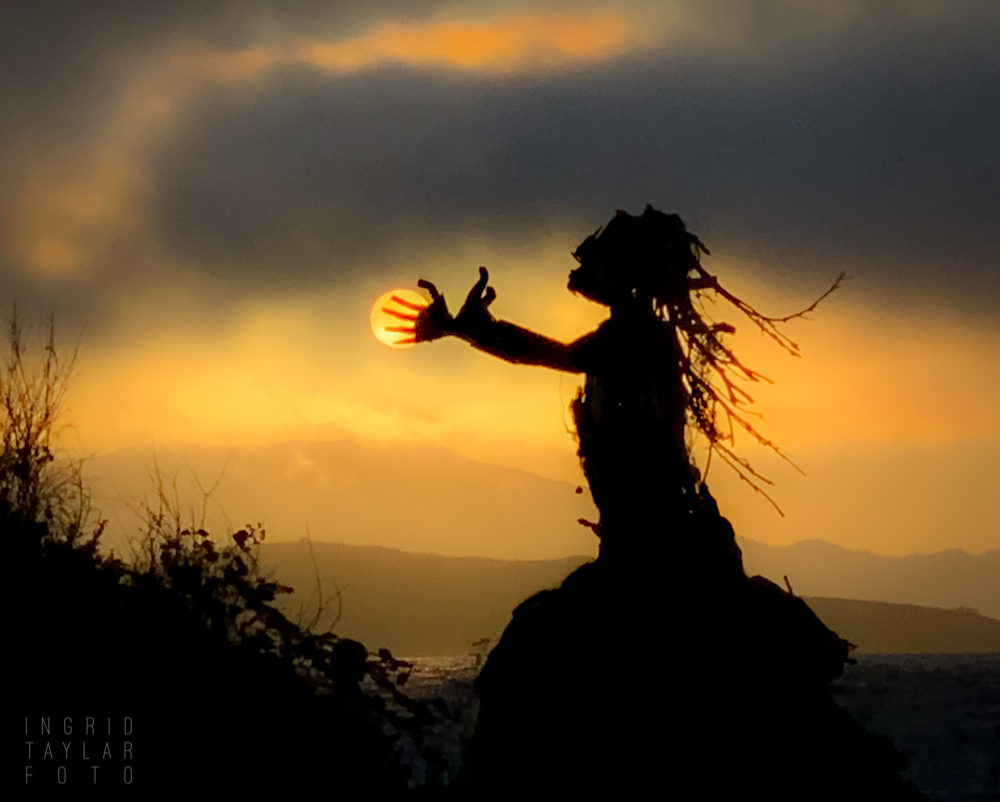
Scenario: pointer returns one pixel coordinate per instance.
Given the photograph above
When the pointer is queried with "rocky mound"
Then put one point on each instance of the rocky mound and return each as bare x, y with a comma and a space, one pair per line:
731, 698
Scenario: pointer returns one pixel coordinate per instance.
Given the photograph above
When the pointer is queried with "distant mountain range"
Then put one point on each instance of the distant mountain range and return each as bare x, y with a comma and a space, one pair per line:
426, 604
429, 499
414, 604
876, 627
817, 568
407, 497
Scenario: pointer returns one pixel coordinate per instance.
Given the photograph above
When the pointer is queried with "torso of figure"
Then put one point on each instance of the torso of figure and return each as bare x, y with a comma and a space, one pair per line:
630, 419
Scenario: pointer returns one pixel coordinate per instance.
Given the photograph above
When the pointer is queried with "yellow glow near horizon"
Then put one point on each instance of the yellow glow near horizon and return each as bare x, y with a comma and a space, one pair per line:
864, 413
384, 323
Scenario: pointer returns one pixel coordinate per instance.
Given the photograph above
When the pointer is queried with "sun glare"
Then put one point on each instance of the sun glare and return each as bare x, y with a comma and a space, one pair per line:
393, 315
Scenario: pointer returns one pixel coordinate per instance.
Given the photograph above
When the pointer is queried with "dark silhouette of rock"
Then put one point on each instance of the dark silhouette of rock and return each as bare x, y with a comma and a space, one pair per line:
730, 699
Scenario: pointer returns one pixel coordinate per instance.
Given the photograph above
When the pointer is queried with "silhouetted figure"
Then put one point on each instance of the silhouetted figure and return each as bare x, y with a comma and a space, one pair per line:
660, 665
643, 369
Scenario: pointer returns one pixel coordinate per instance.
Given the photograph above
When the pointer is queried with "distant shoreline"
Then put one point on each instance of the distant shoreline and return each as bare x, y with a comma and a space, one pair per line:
427, 605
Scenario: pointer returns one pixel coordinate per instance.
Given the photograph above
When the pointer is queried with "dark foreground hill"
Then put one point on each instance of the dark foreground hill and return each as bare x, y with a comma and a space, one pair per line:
426, 604
181, 674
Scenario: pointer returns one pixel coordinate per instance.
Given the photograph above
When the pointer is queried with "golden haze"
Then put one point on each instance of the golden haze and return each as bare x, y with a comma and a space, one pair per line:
868, 412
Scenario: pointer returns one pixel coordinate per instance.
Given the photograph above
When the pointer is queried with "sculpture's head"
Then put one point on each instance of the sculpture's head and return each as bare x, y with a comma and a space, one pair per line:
645, 258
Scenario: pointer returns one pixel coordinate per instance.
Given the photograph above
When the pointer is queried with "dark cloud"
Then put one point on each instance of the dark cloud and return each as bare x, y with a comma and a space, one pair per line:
872, 150
883, 154
62, 62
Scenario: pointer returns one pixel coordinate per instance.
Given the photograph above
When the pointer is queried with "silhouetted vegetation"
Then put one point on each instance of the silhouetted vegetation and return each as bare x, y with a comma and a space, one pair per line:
32, 481
223, 691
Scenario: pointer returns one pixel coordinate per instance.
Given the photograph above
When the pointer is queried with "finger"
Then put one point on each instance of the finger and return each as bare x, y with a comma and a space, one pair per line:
426, 285
477, 289
491, 295
401, 329
406, 341
400, 315
408, 304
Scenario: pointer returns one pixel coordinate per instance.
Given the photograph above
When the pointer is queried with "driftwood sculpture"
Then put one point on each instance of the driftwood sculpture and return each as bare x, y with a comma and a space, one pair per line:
661, 665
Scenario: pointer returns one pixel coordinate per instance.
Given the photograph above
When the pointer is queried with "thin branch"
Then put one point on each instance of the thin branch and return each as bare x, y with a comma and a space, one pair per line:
842, 277
319, 581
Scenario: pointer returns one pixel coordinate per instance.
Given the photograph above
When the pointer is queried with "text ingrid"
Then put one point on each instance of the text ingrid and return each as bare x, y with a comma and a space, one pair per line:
101, 740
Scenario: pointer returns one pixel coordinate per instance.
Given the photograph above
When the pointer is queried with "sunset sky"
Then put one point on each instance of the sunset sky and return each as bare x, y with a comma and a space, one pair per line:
209, 196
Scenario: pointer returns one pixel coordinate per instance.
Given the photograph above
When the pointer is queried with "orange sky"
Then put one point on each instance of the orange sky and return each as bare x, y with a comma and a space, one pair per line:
865, 404
218, 308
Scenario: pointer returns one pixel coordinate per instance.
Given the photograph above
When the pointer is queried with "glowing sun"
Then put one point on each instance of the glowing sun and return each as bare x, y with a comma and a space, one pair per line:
393, 316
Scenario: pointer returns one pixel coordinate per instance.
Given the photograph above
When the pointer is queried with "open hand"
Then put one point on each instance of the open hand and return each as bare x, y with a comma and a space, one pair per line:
432, 321
424, 321
474, 315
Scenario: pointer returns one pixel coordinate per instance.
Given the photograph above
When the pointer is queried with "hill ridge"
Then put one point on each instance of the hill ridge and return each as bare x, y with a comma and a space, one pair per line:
421, 604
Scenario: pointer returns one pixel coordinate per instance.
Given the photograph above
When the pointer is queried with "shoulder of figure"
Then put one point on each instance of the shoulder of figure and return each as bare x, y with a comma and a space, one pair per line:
590, 350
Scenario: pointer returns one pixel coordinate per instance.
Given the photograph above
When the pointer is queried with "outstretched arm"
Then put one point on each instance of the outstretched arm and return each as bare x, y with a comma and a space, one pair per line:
476, 325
